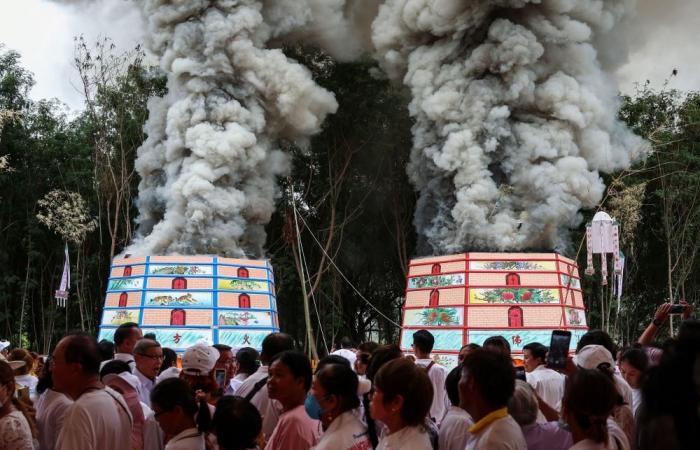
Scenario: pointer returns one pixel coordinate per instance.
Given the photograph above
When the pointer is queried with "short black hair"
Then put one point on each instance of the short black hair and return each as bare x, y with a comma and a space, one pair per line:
381, 356
222, 347
635, 357
115, 366
499, 342
106, 349
368, 347
423, 340
298, 364
275, 343
82, 348
236, 424
597, 337
470, 346
169, 359
151, 336
452, 385
173, 392
537, 350
345, 342
331, 359
123, 332
493, 374
341, 381
247, 359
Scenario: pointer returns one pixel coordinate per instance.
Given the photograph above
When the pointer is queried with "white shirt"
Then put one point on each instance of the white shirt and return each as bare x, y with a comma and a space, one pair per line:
548, 384
146, 387
98, 420
189, 439
170, 372
437, 375
407, 438
235, 383
30, 382
454, 434
153, 436
51, 407
587, 444
501, 434
347, 354
126, 357
616, 436
270, 410
346, 432
636, 400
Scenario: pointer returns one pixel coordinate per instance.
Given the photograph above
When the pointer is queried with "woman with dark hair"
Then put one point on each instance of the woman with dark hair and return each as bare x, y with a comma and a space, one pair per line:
175, 407
288, 382
589, 399
237, 424
401, 400
633, 364
380, 356
17, 429
51, 407
335, 389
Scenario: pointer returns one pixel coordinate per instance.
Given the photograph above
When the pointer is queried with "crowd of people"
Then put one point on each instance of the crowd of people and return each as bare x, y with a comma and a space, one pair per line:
134, 394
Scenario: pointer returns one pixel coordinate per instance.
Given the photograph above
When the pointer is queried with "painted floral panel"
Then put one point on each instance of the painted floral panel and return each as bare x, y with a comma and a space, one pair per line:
435, 281
512, 265
513, 295
243, 285
441, 316
174, 269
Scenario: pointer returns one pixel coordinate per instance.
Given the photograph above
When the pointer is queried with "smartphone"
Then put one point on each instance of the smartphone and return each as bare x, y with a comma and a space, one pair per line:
220, 375
677, 309
558, 349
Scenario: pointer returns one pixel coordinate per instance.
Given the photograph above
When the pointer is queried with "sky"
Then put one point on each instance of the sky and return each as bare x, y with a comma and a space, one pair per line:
663, 38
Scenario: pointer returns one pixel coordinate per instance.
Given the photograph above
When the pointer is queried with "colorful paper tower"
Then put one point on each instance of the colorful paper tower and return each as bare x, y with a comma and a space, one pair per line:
188, 299
468, 297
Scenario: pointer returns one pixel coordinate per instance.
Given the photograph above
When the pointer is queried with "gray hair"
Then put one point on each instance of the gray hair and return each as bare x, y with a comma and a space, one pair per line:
144, 344
522, 406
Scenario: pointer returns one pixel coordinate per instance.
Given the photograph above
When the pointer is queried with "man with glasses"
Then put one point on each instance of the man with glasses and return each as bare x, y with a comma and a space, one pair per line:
148, 356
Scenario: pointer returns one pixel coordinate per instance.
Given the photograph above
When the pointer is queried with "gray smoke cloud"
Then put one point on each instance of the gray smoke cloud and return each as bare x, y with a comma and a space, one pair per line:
209, 166
515, 117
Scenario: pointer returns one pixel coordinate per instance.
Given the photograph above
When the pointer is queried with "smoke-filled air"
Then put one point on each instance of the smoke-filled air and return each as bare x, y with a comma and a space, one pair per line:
209, 166
515, 117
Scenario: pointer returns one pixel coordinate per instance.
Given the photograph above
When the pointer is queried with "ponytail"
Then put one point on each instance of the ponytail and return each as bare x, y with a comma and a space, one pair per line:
595, 427
22, 407
203, 415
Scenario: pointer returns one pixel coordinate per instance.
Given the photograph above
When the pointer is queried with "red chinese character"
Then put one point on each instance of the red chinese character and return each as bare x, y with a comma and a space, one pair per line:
177, 338
516, 339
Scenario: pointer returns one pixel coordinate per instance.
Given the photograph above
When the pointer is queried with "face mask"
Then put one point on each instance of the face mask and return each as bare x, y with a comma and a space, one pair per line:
313, 409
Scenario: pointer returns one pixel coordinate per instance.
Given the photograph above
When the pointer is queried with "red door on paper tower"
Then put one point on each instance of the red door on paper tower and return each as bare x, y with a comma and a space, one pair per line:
436, 269
515, 317
177, 317
179, 283
434, 298
127, 271
243, 272
244, 301
512, 279
123, 297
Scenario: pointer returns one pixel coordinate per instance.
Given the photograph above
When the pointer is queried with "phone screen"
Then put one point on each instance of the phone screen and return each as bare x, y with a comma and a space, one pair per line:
558, 349
220, 375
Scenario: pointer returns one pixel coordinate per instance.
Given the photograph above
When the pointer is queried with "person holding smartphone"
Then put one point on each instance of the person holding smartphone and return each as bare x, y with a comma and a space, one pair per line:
547, 383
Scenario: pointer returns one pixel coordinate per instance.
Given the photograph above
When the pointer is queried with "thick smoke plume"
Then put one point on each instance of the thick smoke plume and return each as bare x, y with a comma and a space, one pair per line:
209, 166
514, 117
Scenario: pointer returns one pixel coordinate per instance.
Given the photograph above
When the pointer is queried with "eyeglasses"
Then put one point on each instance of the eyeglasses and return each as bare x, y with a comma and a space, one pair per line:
153, 357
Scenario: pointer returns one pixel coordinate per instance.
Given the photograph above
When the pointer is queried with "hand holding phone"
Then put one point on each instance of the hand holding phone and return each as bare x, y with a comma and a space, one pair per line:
558, 349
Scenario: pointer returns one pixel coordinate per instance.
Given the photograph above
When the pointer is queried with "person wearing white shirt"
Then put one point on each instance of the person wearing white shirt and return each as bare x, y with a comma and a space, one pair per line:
99, 417
423, 342
246, 364
254, 388
148, 355
344, 348
454, 428
174, 408
547, 383
125, 338
589, 400
51, 407
486, 385
401, 401
633, 363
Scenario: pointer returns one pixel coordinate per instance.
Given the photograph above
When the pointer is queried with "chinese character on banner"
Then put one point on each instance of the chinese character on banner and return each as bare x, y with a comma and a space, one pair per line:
61, 294
516, 339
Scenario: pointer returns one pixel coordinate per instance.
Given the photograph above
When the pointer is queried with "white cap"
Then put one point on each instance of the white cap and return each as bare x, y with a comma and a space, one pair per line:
199, 359
591, 356
4, 345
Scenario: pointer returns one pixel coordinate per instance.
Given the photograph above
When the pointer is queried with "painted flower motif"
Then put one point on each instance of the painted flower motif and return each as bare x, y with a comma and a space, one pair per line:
508, 296
527, 295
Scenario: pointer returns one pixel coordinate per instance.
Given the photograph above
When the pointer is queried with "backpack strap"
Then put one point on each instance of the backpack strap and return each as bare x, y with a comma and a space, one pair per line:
429, 366
256, 388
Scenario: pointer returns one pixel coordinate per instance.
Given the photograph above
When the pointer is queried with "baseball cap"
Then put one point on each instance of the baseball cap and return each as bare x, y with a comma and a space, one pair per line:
4, 345
199, 359
592, 356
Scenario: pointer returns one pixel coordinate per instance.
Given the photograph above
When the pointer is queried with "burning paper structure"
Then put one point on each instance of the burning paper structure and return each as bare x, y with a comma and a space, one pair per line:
188, 299
469, 297
602, 237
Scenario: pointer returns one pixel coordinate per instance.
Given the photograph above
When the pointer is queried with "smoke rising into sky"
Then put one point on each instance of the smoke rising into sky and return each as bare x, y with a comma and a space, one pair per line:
514, 102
